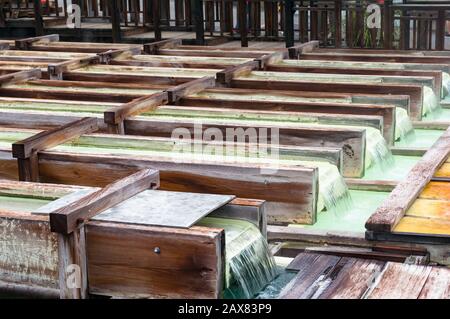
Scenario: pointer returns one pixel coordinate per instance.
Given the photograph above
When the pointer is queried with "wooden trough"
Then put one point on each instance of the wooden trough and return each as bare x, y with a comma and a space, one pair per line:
56, 232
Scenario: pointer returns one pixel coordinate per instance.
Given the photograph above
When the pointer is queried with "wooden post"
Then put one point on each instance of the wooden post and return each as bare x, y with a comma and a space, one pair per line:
440, 30
338, 21
387, 25
2, 14
69, 221
39, 22
242, 18
26, 151
157, 19
197, 12
289, 23
115, 21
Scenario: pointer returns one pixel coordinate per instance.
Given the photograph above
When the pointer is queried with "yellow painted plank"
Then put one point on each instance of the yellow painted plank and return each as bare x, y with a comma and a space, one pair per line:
436, 190
444, 171
418, 225
430, 208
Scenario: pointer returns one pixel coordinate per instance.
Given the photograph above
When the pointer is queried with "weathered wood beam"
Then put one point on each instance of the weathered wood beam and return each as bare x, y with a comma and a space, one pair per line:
115, 117
26, 151
154, 47
25, 44
106, 57
188, 88
20, 76
56, 71
296, 51
226, 76
403, 196
67, 219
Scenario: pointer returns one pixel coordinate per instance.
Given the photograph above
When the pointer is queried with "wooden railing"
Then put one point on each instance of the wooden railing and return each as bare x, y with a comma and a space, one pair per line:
334, 23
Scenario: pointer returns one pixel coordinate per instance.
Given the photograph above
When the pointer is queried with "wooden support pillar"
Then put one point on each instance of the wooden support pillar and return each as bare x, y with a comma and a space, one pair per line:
387, 25
38, 20
440, 30
338, 23
197, 12
26, 151
2, 14
115, 21
289, 23
69, 222
157, 19
242, 18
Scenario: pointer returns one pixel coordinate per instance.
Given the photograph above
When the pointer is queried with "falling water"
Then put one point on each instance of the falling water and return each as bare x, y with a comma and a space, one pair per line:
377, 150
430, 101
403, 124
445, 83
333, 191
249, 265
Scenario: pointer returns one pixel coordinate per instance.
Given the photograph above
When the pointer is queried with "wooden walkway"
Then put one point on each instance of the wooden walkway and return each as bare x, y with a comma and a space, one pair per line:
331, 277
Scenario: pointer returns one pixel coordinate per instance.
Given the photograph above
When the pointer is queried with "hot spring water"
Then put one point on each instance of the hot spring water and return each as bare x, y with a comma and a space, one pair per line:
431, 102
403, 124
249, 265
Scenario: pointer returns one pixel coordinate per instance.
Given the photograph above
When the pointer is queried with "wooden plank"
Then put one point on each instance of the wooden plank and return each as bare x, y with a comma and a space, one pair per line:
311, 269
124, 261
430, 208
443, 171
57, 70
48, 139
353, 280
402, 197
67, 219
436, 190
291, 194
188, 88
296, 51
227, 75
437, 285
20, 76
25, 44
414, 91
114, 117
424, 226
154, 47
351, 140
400, 281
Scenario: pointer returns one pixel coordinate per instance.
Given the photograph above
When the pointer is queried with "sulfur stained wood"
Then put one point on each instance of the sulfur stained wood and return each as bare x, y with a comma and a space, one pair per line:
436, 190
400, 281
29, 251
430, 208
424, 226
436, 75
291, 193
416, 184
443, 171
376, 57
351, 140
413, 91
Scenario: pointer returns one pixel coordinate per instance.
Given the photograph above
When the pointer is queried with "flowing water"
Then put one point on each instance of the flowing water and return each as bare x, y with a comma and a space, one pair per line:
403, 124
431, 102
377, 150
445, 83
249, 264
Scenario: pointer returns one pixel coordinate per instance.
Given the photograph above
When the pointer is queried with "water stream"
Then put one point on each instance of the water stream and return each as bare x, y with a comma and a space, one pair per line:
249, 264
